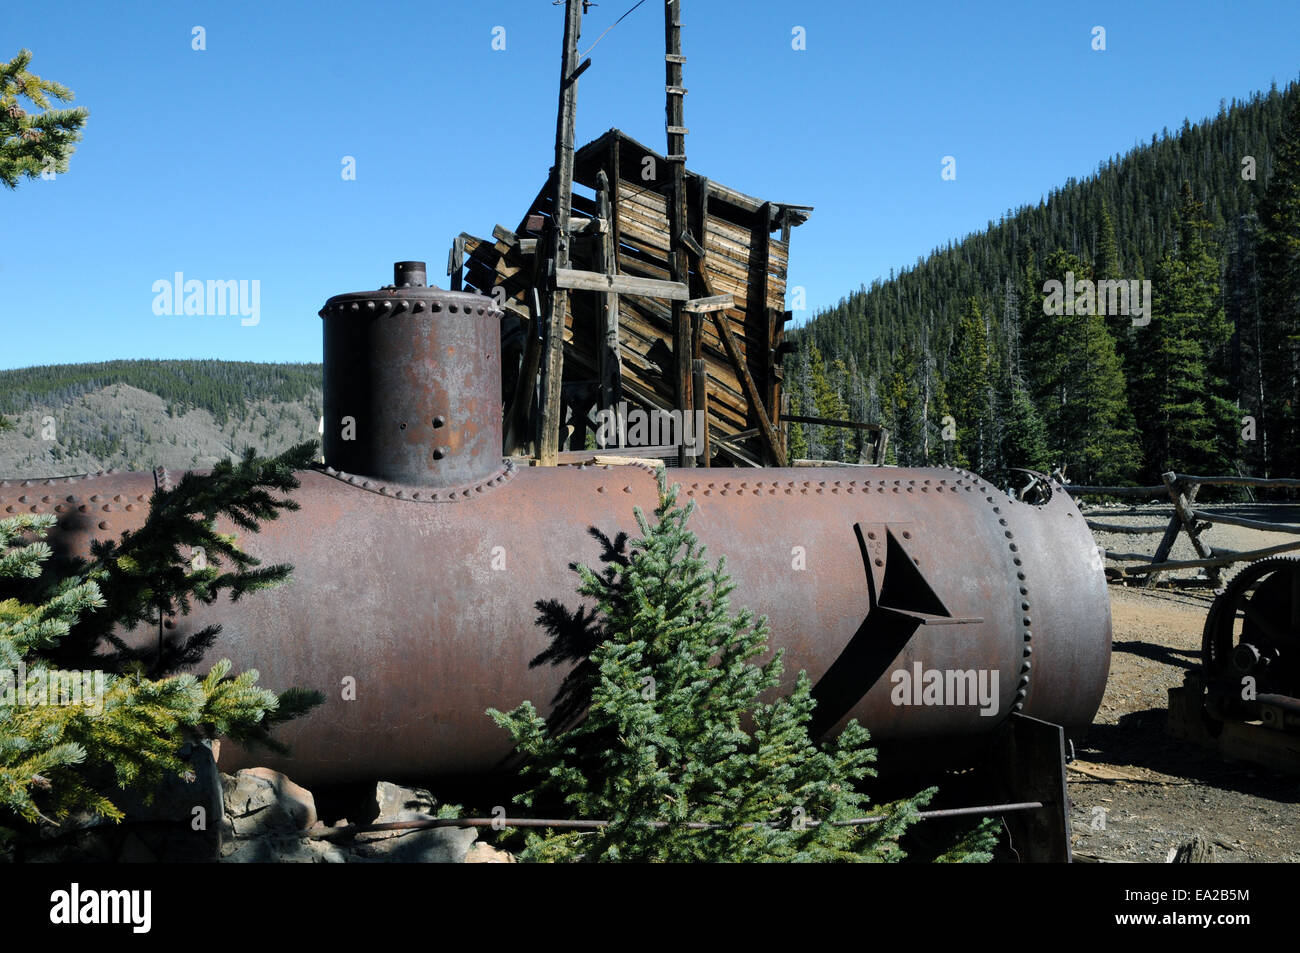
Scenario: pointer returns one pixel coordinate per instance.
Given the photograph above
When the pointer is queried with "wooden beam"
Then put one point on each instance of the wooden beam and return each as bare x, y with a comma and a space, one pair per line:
678, 265
1212, 562
828, 422
701, 387
609, 368
456, 262
715, 303
620, 284
565, 123
751, 392
1247, 524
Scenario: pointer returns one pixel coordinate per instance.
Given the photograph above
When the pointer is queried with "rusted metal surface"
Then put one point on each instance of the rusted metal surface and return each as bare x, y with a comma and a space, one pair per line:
1251, 646
413, 382
427, 606
418, 577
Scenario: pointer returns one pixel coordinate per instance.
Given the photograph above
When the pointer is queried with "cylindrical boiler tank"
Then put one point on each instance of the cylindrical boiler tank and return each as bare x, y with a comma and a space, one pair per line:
926, 603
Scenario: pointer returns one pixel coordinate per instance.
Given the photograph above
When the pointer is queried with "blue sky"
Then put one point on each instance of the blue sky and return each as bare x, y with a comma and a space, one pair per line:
225, 163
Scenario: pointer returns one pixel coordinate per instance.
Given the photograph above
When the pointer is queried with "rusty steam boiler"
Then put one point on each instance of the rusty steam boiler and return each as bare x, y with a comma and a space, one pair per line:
926, 603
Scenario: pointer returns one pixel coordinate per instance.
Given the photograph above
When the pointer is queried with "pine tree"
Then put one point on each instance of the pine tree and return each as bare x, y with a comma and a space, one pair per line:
1187, 422
969, 389
1022, 439
31, 144
1075, 378
1279, 264
55, 758
674, 732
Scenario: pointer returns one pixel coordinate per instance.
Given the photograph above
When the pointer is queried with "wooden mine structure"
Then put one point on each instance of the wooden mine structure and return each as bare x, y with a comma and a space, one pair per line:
621, 338
664, 292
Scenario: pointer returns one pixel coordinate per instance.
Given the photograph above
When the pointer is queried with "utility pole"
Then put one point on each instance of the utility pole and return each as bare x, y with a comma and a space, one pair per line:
679, 267
548, 447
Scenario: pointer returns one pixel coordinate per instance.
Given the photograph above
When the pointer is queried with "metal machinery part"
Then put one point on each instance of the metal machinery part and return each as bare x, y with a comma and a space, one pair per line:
422, 562
1251, 647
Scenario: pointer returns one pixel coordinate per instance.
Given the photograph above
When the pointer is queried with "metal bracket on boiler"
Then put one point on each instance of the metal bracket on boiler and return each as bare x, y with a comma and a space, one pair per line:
1027, 763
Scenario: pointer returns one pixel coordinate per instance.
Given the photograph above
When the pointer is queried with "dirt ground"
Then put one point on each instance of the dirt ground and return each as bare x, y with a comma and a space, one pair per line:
1138, 793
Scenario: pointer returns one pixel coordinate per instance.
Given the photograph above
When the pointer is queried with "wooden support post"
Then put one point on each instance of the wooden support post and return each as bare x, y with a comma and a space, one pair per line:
679, 267
1183, 519
456, 262
608, 361
751, 391
758, 311
565, 122
701, 434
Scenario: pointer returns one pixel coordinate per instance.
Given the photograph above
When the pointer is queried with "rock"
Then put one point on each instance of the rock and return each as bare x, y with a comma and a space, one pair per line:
481, 853
1198, 850
396, 803
286, 850
436, 845
259, 800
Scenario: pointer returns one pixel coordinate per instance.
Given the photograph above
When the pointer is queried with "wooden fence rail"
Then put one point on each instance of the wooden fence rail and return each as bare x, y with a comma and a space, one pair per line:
1182, 490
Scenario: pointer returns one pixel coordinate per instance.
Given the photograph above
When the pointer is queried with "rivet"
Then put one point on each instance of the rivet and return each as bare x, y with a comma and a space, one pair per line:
1027, 621
440, 421
880, 562
906, 535
81, 509
1010, 535
438, 453
1029, 649
1002, 522
103, 525
1028, 635
107, 507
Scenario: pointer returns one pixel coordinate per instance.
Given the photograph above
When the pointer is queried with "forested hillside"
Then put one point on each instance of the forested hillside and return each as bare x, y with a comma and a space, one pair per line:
959, 358
78, 418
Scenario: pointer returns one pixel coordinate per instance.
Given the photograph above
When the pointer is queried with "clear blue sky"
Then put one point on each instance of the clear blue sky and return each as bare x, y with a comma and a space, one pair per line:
225, 163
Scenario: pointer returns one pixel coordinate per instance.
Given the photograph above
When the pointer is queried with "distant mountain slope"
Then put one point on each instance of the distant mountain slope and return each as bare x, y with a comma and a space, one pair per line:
1140, 191
78, 418
966, 360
